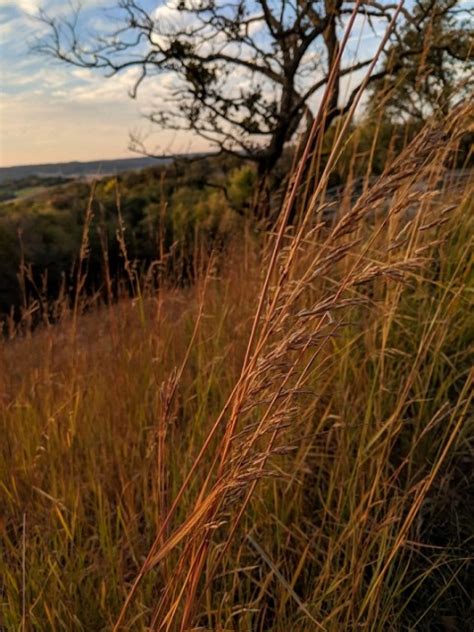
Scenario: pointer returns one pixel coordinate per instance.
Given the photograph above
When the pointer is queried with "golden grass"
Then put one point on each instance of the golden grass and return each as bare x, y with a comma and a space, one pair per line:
273, 448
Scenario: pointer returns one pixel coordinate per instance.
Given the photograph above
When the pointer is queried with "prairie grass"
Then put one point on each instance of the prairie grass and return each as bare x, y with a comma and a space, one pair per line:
284, 445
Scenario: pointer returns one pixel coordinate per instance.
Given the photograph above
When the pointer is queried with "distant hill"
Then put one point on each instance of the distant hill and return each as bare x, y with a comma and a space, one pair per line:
80, 169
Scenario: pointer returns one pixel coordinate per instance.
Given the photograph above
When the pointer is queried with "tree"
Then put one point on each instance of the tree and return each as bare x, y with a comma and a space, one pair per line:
245, 74
439, 68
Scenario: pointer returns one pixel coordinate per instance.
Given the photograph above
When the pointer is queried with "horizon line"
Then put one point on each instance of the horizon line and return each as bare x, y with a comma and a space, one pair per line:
103, 160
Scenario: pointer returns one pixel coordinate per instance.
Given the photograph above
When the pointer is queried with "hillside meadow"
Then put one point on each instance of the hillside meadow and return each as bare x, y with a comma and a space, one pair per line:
284, 441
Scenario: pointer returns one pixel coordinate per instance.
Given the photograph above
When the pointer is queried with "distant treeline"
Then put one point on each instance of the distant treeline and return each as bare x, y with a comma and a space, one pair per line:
77, 169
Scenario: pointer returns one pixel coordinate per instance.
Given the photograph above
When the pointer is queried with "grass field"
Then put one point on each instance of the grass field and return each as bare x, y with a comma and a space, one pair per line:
287, 444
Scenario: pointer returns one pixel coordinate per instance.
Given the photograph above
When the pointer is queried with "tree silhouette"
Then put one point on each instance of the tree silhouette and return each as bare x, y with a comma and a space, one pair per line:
245, 74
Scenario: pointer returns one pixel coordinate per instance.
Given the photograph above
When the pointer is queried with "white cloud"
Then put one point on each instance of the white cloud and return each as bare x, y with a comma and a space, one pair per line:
7, 29
28, 6
31, 7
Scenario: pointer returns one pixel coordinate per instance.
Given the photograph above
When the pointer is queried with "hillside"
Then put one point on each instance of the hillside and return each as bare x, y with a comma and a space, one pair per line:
43, 226
271, 431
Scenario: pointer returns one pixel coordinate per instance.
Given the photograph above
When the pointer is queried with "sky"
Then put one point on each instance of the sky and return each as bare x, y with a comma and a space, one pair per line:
52, 112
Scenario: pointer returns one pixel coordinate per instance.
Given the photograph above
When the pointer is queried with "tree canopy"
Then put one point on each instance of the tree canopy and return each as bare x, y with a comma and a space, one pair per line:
440, 67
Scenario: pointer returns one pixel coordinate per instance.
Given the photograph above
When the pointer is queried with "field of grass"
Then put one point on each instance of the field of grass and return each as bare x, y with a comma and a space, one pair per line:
286, 444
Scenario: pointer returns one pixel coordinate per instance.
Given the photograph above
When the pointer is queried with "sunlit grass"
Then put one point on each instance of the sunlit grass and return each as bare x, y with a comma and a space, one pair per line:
359, 518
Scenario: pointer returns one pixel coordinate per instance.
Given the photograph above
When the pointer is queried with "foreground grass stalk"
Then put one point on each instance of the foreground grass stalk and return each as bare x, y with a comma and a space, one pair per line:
236, 478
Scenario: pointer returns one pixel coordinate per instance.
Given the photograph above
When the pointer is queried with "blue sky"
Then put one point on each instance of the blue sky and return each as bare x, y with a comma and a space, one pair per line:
50, 112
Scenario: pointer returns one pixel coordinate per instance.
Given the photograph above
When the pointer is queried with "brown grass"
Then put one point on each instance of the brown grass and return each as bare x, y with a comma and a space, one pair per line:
272, 448
271, 469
